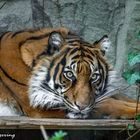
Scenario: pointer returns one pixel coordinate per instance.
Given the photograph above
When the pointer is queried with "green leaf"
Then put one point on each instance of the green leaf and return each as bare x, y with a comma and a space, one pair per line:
138, 117
131, 76
127, 74
133, 58
130, 126
58, 135
134, 77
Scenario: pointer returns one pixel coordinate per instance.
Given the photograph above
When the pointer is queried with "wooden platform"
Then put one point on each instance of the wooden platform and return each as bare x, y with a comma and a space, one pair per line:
93, 124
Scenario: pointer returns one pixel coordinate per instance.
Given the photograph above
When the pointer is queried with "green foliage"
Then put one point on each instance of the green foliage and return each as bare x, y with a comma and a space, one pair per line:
58, 135
130, 127
132, 75
133, 58
138, 118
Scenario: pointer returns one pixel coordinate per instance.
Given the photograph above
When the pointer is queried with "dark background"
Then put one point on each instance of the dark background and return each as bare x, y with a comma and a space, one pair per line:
28, 134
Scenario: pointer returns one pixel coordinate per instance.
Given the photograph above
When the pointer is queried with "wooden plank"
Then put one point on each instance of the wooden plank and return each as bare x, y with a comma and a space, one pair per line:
93, 124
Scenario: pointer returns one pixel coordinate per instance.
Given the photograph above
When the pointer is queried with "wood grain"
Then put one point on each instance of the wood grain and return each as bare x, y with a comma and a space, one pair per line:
93, 124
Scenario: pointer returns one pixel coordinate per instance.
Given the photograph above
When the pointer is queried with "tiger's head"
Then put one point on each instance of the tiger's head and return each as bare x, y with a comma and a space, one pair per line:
70, 74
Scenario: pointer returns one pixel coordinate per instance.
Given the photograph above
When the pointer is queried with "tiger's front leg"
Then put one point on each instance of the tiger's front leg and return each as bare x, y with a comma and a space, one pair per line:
114, 108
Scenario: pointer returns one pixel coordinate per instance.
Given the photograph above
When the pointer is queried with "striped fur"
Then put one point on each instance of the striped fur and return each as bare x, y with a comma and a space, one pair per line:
54, 73
59, 82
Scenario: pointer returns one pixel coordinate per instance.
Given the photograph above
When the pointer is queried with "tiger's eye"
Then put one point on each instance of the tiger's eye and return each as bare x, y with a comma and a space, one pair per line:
95, 77
69, 74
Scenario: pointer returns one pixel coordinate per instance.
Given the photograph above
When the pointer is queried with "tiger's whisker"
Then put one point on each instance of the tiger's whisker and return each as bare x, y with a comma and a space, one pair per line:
110, 93
52, 93
106, 95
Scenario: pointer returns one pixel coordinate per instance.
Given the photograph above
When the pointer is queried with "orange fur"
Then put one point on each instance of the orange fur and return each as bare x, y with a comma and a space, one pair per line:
16, 58
117, 108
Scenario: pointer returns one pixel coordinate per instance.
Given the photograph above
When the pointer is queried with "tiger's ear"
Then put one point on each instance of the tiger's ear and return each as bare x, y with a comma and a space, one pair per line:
30, 51
103, 44
55, 42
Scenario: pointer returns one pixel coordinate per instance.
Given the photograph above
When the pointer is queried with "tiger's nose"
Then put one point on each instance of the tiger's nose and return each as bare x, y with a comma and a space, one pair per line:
80, 105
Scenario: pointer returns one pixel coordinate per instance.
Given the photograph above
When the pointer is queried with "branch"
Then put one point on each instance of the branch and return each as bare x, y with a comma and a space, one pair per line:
94, 124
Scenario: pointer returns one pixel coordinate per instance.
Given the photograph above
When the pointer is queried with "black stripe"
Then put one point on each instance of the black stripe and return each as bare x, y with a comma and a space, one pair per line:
103, 76
48, 77
87, 61
76, 56
18, 32
89, 51
38, 37
34, 38
6, 74
100, 67
86, 44
63, 62
26, 30
73, 62
84, 53
73, 44
46, 86
89, 57
73, 40
68, 104
106, 68
3, 34
42, 54
74, 50
55, 72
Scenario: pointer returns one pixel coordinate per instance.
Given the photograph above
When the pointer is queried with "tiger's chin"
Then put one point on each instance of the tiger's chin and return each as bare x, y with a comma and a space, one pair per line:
72, 115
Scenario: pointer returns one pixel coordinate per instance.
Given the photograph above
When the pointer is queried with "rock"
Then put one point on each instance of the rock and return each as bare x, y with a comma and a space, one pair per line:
119, 19
15, 15
91, 19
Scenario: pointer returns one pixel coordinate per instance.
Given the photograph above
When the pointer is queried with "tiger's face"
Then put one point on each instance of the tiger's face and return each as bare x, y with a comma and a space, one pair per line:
69, 75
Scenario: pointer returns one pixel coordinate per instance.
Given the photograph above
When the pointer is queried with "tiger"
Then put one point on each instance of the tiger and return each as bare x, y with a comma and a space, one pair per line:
55, 73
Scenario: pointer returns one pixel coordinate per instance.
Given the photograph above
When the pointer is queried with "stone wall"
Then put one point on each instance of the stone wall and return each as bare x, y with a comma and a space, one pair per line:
119, 19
